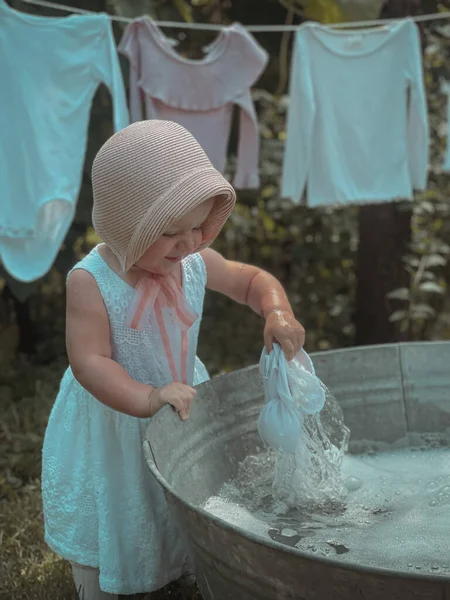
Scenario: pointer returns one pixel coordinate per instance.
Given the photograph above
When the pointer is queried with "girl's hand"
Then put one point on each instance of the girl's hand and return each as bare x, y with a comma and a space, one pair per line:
282, 327
178, 395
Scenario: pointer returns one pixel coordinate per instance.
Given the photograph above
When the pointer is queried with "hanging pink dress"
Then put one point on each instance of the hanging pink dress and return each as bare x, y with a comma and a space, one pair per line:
199, 94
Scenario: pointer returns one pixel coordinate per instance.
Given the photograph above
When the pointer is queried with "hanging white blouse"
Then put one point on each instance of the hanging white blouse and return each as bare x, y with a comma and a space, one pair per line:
357, 127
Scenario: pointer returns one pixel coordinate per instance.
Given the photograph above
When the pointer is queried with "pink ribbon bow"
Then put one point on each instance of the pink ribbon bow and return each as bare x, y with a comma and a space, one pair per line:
157, 292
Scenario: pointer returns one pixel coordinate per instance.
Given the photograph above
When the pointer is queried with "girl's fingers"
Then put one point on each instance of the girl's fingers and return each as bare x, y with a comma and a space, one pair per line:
177, 404
268, 341
288, 349
184, 416
188, 405
183, 413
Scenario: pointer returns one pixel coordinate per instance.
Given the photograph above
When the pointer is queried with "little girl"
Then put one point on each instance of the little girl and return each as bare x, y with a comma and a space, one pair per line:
134, 307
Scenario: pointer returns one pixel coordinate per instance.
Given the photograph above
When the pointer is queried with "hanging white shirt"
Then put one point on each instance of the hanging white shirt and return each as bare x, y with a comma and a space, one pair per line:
50, 69
357, 126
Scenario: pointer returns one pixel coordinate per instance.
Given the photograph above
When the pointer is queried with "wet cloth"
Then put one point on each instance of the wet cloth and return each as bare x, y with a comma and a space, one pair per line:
50, 70
292, 390
102, 506
357, 127
199, 94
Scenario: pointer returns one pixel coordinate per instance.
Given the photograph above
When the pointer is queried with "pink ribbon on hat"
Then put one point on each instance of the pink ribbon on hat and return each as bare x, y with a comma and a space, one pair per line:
155, 292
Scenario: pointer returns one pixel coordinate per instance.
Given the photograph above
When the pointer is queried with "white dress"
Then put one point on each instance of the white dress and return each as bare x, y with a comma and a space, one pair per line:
102, 506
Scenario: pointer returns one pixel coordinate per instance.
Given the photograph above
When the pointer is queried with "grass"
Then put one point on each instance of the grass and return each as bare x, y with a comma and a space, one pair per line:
29, 570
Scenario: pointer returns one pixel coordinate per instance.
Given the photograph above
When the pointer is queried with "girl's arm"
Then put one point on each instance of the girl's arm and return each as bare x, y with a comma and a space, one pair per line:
263, 293
88, 342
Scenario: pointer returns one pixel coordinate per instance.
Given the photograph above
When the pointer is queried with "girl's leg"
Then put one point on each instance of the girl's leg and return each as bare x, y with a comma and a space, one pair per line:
87, 583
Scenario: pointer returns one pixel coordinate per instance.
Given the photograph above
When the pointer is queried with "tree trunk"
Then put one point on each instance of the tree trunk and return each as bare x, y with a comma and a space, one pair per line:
384, 232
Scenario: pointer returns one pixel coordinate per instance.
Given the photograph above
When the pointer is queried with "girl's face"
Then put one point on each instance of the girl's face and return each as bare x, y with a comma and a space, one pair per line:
181, 239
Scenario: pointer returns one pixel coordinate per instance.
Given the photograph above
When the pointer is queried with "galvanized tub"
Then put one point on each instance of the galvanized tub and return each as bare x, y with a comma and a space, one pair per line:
386, 392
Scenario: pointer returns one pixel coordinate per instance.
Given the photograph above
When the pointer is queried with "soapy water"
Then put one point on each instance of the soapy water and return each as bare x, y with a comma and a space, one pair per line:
384, 507
388, 509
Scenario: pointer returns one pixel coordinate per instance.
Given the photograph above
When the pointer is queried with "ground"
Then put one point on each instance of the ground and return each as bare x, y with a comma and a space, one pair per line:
28, 569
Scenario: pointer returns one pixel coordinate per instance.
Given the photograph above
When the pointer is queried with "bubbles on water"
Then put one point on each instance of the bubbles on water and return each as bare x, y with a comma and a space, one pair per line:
396, 514
352, 483
438, 491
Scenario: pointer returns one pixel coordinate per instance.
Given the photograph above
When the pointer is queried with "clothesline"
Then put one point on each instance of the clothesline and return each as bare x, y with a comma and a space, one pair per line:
211, 27
203, 103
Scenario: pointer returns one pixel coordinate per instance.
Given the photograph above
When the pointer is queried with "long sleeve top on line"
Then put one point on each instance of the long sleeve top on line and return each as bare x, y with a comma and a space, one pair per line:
199, 94
50, 69
357, 126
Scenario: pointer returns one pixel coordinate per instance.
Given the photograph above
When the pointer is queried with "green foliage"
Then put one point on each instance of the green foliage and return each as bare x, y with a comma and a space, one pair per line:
324, 11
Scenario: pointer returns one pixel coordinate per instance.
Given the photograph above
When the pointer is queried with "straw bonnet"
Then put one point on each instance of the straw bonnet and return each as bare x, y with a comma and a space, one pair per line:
147, 176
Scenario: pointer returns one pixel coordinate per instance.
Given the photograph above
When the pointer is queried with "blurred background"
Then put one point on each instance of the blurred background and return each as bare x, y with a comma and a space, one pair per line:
355, 275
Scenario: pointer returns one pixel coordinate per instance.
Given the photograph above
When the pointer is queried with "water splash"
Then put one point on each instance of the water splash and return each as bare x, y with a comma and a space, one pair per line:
312, 477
